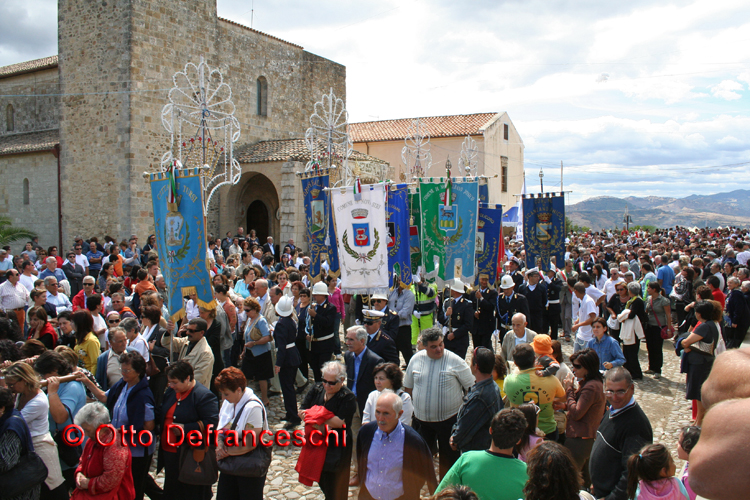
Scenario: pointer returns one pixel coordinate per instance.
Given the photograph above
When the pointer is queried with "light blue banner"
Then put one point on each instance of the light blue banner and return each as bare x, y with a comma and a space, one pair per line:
181, 239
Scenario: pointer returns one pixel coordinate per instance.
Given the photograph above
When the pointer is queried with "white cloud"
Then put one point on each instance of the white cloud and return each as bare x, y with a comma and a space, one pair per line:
726, 90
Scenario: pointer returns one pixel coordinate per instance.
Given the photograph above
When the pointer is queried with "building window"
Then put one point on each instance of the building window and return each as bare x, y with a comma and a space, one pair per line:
9, 118
25, 191
262, 88
504, 173
506, 130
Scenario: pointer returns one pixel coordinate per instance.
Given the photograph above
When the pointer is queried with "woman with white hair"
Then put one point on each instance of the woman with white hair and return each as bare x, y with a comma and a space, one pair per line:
332, 394
104, 471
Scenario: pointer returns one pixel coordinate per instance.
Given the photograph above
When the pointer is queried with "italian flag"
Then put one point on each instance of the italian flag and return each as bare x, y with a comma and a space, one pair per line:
448, 192
172, 183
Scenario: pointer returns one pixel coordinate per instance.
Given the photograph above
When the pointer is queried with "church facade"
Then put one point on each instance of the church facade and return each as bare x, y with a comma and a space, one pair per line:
78, 130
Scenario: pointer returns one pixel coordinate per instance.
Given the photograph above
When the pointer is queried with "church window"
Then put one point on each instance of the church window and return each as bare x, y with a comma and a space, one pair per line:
25, 191
506, 131
504, 173
9, 118
262, 91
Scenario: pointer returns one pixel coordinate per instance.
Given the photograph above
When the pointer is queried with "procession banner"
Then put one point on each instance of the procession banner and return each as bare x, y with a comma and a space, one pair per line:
484, 191
489, 240
544, 229
449, 210
415, 247
399, 258
320, 235
362, 236
177, 197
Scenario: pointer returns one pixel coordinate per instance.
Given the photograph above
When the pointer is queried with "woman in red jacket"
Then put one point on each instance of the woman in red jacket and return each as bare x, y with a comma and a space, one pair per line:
585, 408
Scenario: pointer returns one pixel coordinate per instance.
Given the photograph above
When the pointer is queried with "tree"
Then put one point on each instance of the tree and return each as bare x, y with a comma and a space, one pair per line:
569, 227
9, 234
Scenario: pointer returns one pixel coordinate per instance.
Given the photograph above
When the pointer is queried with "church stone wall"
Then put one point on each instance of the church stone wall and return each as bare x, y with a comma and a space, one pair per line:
34, 99
40, 214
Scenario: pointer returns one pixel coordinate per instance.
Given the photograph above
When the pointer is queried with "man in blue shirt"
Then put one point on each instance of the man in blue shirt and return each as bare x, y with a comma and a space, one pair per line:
95, 260
665, 275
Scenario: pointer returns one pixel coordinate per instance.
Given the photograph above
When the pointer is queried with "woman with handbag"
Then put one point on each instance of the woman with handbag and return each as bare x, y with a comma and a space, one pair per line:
34, 407
243, 468
616, 304
257, 363
21, 471
659, 327
104, 472
188, 405
698, 354
631, 320
131, 403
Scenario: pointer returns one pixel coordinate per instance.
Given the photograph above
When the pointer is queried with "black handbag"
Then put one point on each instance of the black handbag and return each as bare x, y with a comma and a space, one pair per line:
254, 463
70, 455
198, 465
27, 473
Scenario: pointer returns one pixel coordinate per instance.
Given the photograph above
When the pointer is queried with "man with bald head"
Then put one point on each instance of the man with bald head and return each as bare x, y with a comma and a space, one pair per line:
723, 443
52, 270
393, 459
518, 335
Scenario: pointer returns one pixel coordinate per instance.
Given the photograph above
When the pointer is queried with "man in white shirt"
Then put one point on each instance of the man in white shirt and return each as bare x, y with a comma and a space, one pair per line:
431, 372
54, 297
14, 297
609, 285
596, 295
587, 312
81, 259
256, 258
743, 255
27, 279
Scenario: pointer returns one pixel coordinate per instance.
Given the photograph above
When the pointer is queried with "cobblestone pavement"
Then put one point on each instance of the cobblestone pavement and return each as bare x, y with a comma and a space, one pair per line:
663, 401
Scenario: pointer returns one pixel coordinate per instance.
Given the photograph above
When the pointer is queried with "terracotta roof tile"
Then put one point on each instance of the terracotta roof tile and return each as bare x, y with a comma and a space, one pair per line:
28, 66
29, 142
259, 32
285, 150
437, 126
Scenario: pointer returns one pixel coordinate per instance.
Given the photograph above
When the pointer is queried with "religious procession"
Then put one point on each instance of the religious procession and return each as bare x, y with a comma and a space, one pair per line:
254, 309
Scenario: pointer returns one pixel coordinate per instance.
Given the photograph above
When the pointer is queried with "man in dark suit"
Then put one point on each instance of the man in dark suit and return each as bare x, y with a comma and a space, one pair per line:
74, 272
515, 271
484, 299
378, 341
536, 297
321, 320
360, 363
390, 321
399, 451
508, 304
461, 314
270, 247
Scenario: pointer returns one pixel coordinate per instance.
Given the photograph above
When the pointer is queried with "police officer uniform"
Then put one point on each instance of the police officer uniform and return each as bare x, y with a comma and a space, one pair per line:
461, 321
322, 344
554, 309
390, 318
507, 306
537, 301
380, 343
484, 315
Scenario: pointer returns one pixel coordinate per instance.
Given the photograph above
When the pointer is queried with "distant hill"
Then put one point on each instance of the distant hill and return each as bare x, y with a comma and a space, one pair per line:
719, 209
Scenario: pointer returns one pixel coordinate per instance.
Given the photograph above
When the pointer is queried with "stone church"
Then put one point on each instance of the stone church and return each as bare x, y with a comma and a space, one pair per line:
78, 129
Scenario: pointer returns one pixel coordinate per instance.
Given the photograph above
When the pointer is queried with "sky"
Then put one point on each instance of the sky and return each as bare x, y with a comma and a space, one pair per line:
636, 98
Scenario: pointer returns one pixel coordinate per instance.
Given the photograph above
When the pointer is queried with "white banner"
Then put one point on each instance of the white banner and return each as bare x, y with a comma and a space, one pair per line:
362, 238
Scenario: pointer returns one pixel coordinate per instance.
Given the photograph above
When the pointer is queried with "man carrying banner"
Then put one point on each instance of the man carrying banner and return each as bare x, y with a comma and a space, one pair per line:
379, 302
536, 296
321, 317
509, 303
457, 320
484, 299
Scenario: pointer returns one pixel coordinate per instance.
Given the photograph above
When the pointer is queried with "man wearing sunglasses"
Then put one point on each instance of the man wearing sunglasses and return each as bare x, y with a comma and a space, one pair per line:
193, 348
624, 430
377, 341
74, 272
14, 296
390, 321
79, 299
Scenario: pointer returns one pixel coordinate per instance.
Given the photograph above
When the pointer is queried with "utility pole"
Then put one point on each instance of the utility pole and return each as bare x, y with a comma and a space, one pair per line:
541, 180
627, 219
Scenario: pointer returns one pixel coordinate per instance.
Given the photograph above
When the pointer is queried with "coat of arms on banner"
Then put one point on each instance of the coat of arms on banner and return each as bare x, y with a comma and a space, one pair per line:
318, 212
544, 226
361, 234
480, 238
391, 234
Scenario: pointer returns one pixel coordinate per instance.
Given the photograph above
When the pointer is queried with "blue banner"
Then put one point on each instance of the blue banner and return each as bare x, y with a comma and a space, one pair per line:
415, 247
544, 230
399, 253
321, 240
484, 192
181, 238
489, 240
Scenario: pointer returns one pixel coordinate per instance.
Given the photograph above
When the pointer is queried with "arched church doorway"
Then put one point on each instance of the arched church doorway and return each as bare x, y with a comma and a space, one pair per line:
257, 218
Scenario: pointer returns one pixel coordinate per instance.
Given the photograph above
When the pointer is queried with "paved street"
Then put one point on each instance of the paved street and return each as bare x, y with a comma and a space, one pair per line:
663, 401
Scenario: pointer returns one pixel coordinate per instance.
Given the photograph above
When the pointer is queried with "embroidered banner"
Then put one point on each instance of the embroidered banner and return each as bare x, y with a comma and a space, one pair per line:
362, 237
322, 248
399, 258
544, 229
177, 198
449, 225
489, 240
415, 247
484, 191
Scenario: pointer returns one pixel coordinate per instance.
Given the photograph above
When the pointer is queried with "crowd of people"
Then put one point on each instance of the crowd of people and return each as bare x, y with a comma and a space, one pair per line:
88, 340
